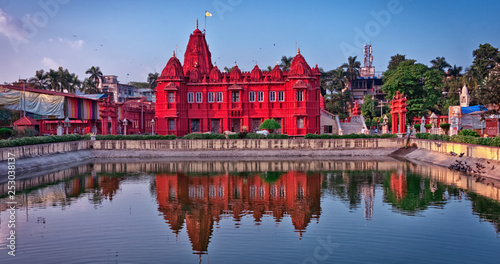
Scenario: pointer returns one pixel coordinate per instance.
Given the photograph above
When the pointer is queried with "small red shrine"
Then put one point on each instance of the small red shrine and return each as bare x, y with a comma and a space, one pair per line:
356, 110
197, 97
398, 110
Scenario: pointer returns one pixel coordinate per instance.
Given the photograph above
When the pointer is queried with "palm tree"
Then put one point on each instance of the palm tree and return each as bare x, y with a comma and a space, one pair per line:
95, 74
53, 80
285, 63
228, 70
352, 68
455, 71
269, 68
152, 77
439, 63
40, 81
89, 87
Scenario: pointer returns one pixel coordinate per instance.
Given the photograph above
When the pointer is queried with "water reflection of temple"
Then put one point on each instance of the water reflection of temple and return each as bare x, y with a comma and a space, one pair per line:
199, 201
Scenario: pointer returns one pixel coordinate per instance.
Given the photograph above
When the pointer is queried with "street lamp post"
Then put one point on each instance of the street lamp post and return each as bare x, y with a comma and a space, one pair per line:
125, 122
67, 123
152, 126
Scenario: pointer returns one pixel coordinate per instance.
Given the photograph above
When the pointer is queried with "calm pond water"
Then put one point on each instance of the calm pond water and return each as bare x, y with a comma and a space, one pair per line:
316, 211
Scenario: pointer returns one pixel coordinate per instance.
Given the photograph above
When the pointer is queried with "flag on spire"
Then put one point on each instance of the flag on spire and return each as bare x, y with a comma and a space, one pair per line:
207, 14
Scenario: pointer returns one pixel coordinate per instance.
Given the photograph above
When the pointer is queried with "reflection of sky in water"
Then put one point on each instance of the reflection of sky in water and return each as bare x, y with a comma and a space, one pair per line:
115, 218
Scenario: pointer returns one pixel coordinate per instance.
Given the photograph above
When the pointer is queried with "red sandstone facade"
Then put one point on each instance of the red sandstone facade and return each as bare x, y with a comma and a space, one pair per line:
197, 97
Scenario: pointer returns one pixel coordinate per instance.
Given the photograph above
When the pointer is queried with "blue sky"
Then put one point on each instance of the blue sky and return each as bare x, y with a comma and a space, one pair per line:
132, 38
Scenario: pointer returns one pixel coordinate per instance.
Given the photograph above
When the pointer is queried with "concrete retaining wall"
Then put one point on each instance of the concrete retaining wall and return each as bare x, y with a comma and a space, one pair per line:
246, 144
469, 150
43, 149
298, 145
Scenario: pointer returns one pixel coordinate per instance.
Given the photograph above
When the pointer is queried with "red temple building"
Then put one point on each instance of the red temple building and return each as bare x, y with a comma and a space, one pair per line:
198, 97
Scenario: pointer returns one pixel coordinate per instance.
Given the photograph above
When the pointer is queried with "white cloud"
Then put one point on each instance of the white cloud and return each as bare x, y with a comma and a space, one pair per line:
50, 63
11, 27
73, 44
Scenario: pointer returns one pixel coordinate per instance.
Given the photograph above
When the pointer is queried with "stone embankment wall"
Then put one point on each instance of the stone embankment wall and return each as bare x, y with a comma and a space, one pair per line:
259, 145
469, 150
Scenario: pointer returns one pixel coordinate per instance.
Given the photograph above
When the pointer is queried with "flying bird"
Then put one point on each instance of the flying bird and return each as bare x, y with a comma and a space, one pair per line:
461, 154
453, 153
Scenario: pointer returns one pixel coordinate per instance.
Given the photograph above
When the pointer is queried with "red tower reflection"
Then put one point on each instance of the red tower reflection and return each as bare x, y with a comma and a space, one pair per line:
398, 185
201, 200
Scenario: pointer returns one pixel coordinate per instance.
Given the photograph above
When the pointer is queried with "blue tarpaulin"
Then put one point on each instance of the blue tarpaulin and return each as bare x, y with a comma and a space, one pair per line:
474, 108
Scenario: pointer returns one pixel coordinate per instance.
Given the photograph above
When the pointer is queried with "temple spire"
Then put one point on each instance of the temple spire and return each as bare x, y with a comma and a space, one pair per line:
173, 54
298, 51
197, 23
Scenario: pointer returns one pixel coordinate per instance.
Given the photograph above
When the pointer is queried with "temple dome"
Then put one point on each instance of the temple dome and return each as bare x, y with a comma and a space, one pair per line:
276, 73
299, 67
197, 54
256, 73
195, 75
173, 69
215, 74
235, 74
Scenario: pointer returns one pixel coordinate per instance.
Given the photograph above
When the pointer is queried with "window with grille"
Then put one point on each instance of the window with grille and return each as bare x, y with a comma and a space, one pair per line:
272, 96
251, 96
260, 96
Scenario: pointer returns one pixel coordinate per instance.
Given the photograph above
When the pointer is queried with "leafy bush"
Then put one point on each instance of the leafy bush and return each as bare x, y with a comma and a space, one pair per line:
467, 132
5, 133
255, 136
428, 126
417, 126
444, 126
133, 137
233, 136
242, 134
204, 136
270, 124
313, 136
39, 140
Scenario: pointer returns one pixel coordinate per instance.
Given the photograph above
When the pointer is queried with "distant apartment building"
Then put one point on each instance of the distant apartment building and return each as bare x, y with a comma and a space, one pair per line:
120, 91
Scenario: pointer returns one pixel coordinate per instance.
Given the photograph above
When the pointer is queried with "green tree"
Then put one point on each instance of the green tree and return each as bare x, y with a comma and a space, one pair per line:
455, 71
485, 58
351, 68
40, 81
95, 74
270, 124
395, 61
439, 63
228, 70
333, 90
368, 108
285, 63
152, 77
89, 87
489, 92
420, 84
61, 80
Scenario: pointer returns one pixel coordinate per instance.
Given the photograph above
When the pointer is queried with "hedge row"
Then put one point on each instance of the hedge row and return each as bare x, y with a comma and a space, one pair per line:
235, 136
327, 136
132, 137
494, 141
38, 140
